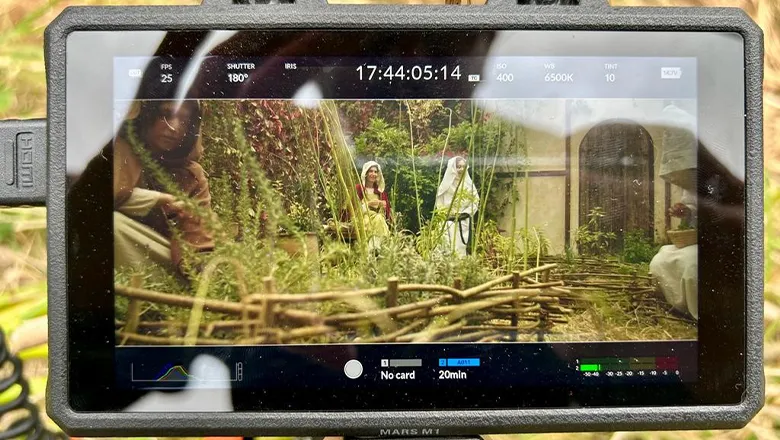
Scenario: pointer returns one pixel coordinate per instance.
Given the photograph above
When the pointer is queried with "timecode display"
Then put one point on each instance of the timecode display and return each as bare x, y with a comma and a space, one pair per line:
369, 72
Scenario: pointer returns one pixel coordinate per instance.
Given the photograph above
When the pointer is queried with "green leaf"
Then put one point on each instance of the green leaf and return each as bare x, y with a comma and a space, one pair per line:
27, 25
6, 99
6, 229
23, 52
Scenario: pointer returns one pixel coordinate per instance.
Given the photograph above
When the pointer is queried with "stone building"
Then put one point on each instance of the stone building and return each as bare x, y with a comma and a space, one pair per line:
583, 154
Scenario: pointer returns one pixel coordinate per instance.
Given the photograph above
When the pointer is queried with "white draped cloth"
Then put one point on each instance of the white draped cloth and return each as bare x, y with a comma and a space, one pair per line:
459, 200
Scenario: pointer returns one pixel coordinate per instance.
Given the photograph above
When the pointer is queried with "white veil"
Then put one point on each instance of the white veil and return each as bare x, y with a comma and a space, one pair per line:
446, 192
381, 178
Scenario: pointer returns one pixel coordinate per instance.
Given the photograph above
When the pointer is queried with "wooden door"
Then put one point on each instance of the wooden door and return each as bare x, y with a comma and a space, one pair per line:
616, 174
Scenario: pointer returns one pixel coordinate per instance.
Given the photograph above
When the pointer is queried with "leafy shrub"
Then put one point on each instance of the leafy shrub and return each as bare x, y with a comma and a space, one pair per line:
591, 240
637, 248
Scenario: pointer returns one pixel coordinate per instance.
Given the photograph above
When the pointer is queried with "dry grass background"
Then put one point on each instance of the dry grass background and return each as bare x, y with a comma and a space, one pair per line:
22, 231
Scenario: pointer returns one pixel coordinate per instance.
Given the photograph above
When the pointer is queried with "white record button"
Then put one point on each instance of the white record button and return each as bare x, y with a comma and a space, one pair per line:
353, 369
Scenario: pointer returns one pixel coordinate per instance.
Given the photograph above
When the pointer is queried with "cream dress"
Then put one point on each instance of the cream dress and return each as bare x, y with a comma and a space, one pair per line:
135, 244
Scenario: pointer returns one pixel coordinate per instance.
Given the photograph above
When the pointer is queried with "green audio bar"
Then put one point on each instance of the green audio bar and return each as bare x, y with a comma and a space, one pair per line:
617, 364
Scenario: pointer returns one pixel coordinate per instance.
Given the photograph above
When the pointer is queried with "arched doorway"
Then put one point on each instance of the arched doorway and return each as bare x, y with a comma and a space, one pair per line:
616, 175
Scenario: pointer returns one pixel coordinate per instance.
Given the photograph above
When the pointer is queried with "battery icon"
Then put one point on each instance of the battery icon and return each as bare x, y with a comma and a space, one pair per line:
473, 78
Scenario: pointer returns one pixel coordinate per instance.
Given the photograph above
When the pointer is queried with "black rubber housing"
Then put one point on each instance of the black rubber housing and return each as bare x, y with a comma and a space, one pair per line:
313, 14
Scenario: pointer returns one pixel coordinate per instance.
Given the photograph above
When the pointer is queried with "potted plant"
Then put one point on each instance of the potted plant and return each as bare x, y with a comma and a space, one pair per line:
685, 234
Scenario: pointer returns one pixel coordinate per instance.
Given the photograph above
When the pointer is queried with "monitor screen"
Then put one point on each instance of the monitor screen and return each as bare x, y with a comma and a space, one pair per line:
296, 213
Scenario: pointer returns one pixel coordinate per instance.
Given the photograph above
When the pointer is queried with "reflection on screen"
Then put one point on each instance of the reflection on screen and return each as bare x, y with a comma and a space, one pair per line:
478, 200
269, 221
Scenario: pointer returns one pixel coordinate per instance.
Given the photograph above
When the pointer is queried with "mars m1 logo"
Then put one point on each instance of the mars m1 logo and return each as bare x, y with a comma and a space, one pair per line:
408, 432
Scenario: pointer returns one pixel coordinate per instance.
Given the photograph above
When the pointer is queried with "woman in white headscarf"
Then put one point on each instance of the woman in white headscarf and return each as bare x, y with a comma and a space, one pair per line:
458, 199
376, 204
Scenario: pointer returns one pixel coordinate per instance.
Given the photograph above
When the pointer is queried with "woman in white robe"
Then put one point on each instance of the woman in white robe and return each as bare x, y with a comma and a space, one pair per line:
458, 199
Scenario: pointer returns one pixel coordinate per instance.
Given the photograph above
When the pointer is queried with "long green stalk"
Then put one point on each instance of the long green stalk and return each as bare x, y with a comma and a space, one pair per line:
475, 121
525, 202
446, 144
309, 168
247, 225
443, 152
346, 170
417, 201
484, 197
323, 179
513, 229
525, 228
538, 250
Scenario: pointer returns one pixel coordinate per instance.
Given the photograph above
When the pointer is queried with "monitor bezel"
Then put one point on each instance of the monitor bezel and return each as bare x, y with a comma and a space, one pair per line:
64, 392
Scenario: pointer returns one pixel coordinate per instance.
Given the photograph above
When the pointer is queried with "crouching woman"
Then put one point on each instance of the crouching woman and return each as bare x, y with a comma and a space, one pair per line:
160, 142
